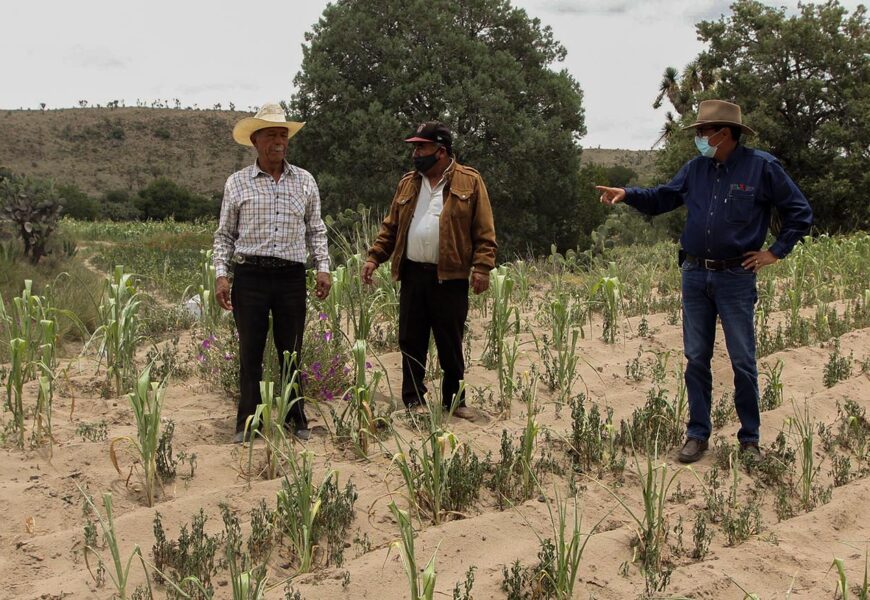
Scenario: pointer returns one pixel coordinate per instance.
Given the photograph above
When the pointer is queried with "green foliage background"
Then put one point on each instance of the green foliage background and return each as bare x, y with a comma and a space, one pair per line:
373, 70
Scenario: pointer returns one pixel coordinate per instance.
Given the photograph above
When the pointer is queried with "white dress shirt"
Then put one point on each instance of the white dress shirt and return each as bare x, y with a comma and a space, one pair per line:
423, 234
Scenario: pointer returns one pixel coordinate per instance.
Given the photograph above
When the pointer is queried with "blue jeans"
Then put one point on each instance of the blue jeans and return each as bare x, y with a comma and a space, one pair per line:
731, 294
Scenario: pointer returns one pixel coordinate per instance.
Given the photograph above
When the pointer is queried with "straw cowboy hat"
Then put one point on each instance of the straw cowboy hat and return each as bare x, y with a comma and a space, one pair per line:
269, 115
719, 112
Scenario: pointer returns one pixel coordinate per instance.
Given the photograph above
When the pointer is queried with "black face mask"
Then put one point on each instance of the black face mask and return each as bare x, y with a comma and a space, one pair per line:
424, 163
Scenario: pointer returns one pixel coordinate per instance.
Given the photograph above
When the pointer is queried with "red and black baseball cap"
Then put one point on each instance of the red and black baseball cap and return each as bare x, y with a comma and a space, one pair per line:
432, 131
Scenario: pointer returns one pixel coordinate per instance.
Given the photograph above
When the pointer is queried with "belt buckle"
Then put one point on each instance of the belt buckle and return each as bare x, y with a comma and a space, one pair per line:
239, 259
709, 264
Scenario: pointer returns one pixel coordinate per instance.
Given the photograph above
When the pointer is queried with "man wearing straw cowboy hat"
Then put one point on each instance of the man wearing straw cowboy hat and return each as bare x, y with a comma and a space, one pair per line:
729, 192
270, 222
438, 231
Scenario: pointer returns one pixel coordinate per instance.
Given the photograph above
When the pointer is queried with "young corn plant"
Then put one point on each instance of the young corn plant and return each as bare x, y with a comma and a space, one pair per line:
444, 476
120, 572
119, 329
419, 588
610, 291
569, 544
15, 387
771, 397
299, 503
843, 581
146, 399
28, 310
212, 313
652, 525
802, 425
559, 353
505, 318
270, 416
357, 422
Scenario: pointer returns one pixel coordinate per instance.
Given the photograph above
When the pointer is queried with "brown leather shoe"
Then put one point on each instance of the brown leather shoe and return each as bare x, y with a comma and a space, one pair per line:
463, 412
750, 450
692, 450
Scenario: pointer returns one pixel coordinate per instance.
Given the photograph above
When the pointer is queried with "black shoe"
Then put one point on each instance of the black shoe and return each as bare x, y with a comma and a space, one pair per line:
692, 450
750, 451
240, 437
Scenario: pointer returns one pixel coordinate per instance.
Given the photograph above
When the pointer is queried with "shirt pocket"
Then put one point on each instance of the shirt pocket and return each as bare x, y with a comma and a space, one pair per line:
460, 201
740, 206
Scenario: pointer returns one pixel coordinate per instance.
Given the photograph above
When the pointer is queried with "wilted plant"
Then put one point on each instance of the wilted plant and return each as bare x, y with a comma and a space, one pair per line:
186, 565
120, 572
146, 399
843, 582
247, 579
505, 318
802, 425
652, 526
418, 589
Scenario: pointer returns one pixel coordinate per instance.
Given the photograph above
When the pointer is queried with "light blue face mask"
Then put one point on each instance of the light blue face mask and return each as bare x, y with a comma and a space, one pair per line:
704, 147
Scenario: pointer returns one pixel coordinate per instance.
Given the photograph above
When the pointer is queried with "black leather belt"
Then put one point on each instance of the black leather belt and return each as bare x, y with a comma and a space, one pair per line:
420, 265
715, 264
266, 262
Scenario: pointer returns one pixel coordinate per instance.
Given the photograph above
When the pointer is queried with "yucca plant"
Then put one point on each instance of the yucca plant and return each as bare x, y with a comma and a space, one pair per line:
146, 400
419, 588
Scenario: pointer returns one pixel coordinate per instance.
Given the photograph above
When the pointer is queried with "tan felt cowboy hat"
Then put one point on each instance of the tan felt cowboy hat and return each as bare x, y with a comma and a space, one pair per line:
719, 112
269, 115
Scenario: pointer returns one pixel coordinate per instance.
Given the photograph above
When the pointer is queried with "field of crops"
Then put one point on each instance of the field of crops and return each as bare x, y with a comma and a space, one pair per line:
118, 477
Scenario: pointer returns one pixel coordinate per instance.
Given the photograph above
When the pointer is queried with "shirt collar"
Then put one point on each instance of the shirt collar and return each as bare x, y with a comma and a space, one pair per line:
446, 175
734, 157
256, 170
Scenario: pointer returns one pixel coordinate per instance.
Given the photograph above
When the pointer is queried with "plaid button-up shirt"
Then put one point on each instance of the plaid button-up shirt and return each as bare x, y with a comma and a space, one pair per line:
261, 217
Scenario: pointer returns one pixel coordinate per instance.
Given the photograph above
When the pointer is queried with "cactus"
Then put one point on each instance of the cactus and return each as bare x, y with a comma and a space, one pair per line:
34, 207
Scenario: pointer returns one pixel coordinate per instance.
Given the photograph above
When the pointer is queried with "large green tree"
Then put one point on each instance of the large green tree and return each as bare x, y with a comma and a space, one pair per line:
803, 82
373, 70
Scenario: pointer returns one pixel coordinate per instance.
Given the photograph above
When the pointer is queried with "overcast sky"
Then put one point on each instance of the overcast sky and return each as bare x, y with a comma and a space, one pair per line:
204, 52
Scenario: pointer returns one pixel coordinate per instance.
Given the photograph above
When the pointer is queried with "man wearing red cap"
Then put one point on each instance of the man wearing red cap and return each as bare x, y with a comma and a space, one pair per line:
439, 229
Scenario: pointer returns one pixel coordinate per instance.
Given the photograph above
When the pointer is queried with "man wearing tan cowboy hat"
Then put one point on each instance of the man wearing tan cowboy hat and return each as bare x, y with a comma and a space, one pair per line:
269, 224
439, 229
729, 192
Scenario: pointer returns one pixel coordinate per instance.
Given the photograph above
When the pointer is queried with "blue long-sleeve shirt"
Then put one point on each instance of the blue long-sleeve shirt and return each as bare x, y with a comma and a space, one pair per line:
729, 204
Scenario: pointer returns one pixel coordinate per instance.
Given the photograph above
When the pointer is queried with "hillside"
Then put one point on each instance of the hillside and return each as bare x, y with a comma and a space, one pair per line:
102, 149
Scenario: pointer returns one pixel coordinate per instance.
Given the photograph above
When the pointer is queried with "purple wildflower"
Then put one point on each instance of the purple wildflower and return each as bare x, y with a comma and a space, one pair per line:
368, 365
322, 316
206, 343
327, 337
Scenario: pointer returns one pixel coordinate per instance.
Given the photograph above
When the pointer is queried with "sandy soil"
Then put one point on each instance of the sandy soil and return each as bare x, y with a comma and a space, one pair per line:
41, 538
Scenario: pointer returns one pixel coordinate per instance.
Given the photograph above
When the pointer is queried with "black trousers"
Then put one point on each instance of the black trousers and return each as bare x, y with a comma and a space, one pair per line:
427, 305
257, 291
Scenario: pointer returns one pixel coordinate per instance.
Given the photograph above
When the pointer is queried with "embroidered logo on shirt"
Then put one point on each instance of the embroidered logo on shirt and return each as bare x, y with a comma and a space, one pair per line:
742, 187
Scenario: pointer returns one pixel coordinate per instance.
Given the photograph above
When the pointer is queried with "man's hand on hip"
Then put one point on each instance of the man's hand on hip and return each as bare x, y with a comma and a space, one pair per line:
368, 268
479, 282
753, 261
323, 283
610, 195
222, 292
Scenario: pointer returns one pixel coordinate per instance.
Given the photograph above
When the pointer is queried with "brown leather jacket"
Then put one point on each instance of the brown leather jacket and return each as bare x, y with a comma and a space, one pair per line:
466, 232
